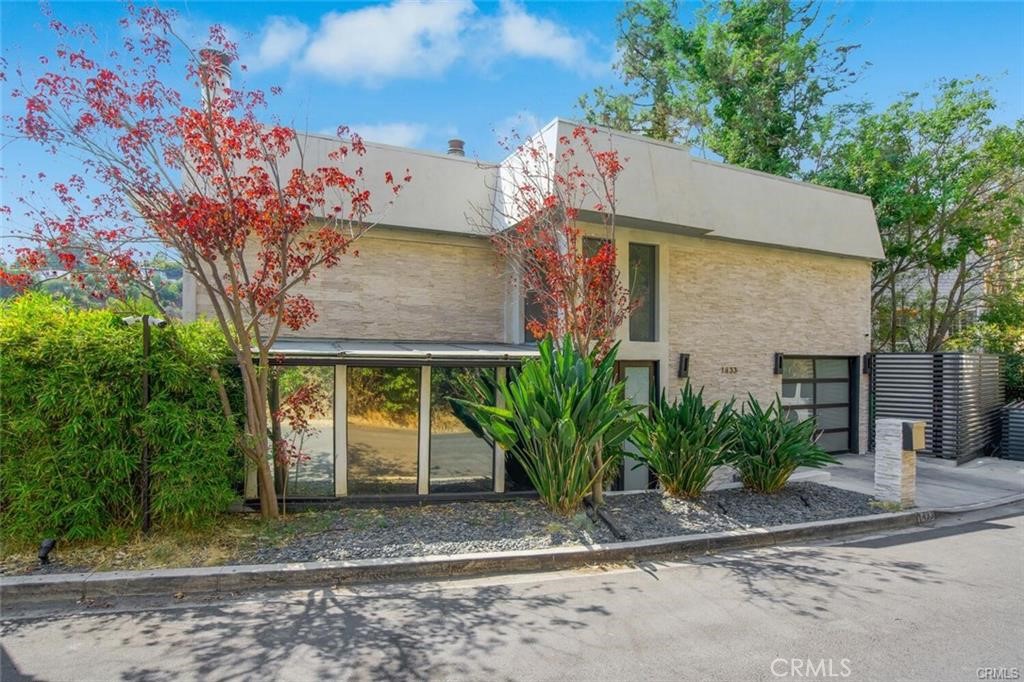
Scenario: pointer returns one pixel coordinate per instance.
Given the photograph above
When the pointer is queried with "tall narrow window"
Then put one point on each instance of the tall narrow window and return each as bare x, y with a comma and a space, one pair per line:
532, 312
643, 290
591, 245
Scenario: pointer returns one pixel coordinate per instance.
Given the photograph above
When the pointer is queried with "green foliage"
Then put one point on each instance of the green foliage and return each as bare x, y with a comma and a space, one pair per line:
769, 446
560, 410
748, 81
392, 394
947, 189
1001, 330
683, 441
71, 422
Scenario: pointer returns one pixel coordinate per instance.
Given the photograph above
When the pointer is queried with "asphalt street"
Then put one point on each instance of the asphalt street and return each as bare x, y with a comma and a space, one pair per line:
936, 604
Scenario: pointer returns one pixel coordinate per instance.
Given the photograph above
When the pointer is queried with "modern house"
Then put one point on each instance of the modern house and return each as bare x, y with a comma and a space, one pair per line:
755, 284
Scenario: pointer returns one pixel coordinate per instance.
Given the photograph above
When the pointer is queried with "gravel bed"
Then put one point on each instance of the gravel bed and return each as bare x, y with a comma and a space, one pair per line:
654, 515
507, 525
455, 528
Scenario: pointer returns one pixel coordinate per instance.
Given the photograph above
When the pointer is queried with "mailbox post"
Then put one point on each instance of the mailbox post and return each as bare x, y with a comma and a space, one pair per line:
896, 444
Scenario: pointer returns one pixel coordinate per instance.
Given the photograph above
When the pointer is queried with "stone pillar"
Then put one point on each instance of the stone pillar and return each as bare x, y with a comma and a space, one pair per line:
896, 444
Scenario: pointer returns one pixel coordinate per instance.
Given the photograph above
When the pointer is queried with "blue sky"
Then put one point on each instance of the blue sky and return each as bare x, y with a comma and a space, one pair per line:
418, 74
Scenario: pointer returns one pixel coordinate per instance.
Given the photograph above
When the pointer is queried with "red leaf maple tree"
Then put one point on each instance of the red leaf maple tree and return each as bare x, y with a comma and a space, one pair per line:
549, 200
547, 203
202, 178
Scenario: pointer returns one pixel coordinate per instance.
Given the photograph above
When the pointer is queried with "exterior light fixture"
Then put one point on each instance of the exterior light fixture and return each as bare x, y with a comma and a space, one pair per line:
684, 366
146, 320
777, 363
867, 363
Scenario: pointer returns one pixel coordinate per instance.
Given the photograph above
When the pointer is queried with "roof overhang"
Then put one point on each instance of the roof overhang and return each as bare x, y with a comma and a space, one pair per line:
399, 353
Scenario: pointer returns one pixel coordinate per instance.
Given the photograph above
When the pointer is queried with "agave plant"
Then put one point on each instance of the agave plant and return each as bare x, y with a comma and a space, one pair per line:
769, 446
559, 412
684, 441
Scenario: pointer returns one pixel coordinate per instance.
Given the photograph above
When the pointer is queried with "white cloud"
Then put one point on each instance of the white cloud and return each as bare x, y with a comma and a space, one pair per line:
526, 35
281, 40
403, 39
415, 38
523, 123
398, 134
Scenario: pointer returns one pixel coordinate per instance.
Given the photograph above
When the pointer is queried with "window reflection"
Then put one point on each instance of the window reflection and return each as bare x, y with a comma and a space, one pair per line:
306, 412
383, 424
460, 460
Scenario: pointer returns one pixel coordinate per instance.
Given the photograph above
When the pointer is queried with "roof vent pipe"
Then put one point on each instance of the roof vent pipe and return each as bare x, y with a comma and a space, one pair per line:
456, 147
214, 73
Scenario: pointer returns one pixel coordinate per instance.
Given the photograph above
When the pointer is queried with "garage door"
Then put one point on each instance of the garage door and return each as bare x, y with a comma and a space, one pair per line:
820, 388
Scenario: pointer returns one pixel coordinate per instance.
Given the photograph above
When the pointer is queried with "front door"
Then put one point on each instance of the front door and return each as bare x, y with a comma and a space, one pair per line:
641, 389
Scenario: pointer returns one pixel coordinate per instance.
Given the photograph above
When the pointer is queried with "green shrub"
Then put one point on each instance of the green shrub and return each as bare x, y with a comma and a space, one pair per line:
769, 446
71, 423
683, 441
559, 411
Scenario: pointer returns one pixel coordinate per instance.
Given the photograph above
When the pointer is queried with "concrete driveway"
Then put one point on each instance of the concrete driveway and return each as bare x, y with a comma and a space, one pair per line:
940, 482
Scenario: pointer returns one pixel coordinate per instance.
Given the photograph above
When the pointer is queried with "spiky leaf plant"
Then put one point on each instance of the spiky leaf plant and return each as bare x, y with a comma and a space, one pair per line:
769, 446
558, 411
684, 441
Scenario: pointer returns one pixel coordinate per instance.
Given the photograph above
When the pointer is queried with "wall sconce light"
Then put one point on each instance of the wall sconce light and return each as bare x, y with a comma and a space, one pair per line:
777, 363
867, 363
684, 365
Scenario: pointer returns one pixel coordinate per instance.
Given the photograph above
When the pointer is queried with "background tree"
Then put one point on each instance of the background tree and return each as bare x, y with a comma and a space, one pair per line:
948, 190
225, 195
748, 82
648, 65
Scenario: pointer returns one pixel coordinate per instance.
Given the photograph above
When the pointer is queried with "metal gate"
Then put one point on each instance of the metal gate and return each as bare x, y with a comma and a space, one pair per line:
959, 395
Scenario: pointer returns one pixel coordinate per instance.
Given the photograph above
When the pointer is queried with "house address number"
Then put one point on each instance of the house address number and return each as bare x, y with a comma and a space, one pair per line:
729, 370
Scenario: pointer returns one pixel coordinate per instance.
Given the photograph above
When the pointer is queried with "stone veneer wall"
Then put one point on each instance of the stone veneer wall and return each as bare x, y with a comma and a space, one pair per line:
734, 305
410, 285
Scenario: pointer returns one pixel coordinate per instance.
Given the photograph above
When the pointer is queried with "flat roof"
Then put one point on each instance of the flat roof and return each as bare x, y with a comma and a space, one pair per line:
662, 187
362, 352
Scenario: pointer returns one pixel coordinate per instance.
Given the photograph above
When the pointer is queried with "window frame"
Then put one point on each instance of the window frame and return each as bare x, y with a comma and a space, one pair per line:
852, 405
655, 293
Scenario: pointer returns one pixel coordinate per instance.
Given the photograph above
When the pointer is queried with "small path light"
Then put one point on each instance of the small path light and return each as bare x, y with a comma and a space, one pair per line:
44, 550
146, 321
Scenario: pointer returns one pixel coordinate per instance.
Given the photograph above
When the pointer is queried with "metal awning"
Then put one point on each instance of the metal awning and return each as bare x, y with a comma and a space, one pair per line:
356, 352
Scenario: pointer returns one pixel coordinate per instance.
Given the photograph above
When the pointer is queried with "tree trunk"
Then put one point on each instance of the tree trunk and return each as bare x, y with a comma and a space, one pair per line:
268, 499
257, 433
893, 317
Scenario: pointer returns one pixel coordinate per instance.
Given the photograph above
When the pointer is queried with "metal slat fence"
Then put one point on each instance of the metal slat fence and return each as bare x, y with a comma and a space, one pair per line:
959, 395
1013, 430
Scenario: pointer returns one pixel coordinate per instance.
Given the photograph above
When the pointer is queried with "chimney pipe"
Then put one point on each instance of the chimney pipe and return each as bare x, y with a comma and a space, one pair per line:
214, 70
456, 147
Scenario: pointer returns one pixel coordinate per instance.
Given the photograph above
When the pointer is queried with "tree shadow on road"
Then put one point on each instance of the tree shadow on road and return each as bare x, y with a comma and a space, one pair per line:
805, 581
400, 634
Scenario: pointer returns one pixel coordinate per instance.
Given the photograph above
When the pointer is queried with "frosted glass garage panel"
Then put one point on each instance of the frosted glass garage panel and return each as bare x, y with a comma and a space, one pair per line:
833, 417
832, 368
798, 393
833, 393
797, 368
835, 442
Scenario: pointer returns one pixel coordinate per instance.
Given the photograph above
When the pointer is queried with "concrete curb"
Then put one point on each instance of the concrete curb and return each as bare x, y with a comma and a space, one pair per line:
75, 586
979, 506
